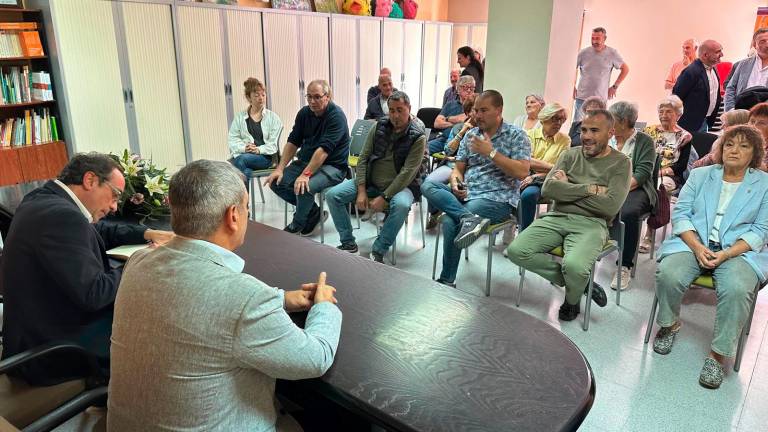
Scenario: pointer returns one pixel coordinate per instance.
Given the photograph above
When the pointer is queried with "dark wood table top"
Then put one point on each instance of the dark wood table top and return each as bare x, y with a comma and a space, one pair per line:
417, 355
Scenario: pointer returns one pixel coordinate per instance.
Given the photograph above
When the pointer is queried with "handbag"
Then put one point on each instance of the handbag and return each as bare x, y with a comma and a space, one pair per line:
661, 214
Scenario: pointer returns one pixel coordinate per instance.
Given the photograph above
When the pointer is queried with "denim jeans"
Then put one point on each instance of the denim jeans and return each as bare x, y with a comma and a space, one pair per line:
440, 196
339, 196
674, 275
249, 162
577, 114
529, 199
438, 144
324, 178
441, 174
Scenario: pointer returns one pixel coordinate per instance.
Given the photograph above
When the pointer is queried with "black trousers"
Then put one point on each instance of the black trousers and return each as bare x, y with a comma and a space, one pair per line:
636, 205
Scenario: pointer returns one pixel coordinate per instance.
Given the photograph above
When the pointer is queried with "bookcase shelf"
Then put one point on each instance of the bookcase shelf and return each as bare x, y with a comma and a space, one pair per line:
31, 104
23, 58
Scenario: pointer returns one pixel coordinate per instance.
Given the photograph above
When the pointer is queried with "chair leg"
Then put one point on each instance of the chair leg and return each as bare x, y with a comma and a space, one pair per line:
618, 268
437, 247
285, 214
652, 252
261, 191
745, 332
491, 241
252, 198
651, 319
520, 286
394, 251
421, 223
637, 246
589, 299
322, 223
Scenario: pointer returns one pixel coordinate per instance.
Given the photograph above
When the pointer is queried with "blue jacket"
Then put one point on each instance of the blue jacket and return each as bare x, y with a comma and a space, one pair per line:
742, 69
692, 87
746, 217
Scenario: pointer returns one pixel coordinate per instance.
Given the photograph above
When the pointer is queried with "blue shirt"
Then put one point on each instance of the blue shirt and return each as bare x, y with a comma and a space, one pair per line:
483, 177
452, 108
328, 131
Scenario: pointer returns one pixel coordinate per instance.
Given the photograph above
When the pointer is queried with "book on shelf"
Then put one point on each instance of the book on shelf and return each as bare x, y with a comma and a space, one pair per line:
20, 42
20, 86
37, 126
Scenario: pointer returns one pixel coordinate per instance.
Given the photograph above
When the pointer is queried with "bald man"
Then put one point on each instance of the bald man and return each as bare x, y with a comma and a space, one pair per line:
377, 107
699, 88
689, 55
374, 90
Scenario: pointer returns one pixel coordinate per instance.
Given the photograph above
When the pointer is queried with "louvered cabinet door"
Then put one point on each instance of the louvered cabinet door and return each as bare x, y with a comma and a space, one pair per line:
429, 71
200, 39
281, 46
344, 66
370, 58
246, 53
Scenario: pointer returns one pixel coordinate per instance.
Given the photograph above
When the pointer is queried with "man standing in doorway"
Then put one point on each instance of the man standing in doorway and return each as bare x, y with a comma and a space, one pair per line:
595, 64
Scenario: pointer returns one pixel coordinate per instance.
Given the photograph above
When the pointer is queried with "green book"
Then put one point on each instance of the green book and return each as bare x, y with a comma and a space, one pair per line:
54, 129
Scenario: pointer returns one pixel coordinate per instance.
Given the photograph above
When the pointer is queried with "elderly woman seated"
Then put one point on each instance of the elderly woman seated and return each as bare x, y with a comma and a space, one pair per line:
547, 143
642, 192
530, 120
728, 119
673, 144
590, 103
442, 173
719, 227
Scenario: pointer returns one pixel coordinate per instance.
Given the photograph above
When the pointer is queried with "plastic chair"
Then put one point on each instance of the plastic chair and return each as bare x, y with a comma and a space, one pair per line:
491, 231
707, 281
614, 244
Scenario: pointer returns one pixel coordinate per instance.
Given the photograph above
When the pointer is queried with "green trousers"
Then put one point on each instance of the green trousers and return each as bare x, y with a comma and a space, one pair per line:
582, 239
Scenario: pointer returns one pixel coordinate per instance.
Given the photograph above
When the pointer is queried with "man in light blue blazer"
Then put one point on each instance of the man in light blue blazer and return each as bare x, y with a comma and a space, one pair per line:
720, 226
750, 72
197, 344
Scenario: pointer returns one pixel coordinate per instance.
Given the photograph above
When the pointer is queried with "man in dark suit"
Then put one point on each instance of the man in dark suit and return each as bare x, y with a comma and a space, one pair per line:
699, 88
377, 107
56, 279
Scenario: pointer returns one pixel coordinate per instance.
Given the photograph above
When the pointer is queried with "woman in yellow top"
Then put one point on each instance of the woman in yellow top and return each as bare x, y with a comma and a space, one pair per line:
547, 143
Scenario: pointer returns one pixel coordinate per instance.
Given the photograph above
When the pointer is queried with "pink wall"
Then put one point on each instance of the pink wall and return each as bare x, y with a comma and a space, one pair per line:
649, 33
566, 20
474, 11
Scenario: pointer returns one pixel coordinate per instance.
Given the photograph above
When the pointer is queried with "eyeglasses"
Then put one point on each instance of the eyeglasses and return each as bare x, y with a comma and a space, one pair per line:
116, 193
311, 98
467, 87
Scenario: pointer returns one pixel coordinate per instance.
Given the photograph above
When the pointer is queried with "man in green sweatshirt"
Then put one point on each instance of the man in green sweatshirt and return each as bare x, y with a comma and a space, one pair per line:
388, 176
588, 186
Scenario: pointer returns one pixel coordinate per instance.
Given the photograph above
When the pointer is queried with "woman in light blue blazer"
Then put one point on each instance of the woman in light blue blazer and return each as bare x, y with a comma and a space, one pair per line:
254, 133
719, 225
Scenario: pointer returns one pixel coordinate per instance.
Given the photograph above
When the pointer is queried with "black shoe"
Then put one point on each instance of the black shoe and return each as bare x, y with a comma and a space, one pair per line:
598, 294
292, 228
312, 223
350, 247
472, 227
446, 283
433, 220
379, 258
568, 312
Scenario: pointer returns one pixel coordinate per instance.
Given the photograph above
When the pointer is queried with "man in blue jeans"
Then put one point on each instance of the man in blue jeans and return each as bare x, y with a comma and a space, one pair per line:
388, 171
484, 186
321, 137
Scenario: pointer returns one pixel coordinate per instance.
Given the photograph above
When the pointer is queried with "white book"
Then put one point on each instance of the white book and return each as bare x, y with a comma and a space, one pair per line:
125, 252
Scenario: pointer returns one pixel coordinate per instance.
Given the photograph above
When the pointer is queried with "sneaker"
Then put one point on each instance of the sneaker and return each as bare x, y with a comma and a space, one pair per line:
472, 227
377, 257
645, 245
312, 223
292, 228
598, 294
626, 278
350, 247
712, 374
446, 283
664, 339
568, 312
433, 220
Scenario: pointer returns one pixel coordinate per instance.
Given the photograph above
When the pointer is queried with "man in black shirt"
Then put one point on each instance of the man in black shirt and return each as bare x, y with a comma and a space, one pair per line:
320, 142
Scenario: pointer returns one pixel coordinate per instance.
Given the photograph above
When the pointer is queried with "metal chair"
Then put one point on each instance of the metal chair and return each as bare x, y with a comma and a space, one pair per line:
379, 224
491, 231
614, 244
707, 281
258, 174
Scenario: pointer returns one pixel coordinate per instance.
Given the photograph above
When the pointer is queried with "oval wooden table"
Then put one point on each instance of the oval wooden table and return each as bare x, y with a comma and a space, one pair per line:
415, 355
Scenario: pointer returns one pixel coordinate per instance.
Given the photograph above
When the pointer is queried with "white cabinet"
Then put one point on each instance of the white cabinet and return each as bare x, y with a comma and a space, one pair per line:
401, 53
369, 49
245, 47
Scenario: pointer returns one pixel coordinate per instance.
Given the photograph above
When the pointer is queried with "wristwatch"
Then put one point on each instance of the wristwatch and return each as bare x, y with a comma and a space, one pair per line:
492, 154
386, 198
307, 172
615, 87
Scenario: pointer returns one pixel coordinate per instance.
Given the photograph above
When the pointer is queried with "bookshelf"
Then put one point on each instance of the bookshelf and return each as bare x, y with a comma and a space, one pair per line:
30, 150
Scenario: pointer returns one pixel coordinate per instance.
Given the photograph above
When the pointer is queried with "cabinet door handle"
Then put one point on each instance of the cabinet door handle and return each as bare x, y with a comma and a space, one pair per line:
125, 95
130, 94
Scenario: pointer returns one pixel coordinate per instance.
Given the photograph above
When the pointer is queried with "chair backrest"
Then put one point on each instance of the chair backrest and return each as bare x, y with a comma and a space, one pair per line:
702, 142
428, 116
276, 156
360, 131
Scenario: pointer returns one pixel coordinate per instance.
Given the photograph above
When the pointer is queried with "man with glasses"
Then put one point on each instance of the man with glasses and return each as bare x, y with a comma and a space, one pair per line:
452, 113
55, 276
320, 142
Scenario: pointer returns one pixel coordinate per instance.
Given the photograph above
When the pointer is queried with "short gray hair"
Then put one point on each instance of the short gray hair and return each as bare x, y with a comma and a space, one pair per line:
200, 194
539, 98
671, 101
465, 79
593, 100
324, 85
399, 96
624, 112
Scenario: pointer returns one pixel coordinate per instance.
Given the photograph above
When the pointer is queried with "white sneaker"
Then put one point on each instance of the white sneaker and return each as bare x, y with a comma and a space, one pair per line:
626, 278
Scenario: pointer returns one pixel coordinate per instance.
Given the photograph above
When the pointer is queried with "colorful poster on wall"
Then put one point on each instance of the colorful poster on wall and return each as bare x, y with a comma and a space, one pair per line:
762, 18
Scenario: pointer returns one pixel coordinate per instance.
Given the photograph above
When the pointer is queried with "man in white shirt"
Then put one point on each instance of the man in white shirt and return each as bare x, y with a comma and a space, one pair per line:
750, 72
595, 64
